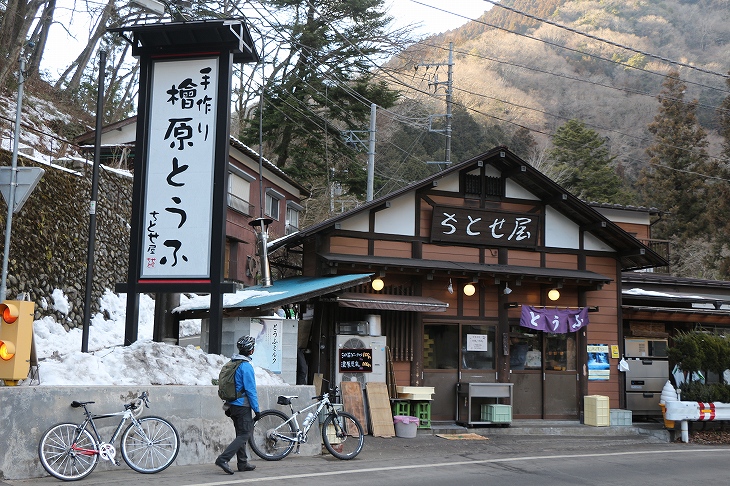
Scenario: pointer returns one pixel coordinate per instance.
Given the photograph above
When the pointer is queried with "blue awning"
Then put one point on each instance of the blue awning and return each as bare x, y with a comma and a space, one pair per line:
288, 290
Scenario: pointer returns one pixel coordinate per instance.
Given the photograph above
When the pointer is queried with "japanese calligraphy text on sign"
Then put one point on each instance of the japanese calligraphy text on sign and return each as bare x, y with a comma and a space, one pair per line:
357, 360
485, 228
178, 197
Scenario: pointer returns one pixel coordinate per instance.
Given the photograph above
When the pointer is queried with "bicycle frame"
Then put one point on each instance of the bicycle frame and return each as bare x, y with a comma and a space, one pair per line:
320, 405
103, 451
71, 451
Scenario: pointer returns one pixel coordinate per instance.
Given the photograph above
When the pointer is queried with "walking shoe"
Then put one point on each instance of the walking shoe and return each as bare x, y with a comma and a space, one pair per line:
223, 465
246, 467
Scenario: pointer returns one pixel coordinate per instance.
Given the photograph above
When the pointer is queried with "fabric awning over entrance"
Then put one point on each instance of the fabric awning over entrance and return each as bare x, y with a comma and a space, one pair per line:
391, 302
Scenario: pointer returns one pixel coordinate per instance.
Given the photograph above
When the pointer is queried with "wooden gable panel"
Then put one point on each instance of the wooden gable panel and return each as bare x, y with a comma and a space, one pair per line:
393, 249
524, 258
604, 265
348, 246
561, 260
640, 231
436, 288
450, 253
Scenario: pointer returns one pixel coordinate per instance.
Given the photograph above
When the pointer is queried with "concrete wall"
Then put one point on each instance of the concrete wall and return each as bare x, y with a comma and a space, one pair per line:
195, 411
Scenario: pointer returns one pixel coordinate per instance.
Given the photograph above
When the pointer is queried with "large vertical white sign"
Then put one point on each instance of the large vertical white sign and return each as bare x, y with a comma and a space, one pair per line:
178, 195
269, 340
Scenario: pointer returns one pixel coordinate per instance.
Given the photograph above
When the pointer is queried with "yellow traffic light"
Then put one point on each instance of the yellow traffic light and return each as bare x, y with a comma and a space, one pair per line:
16, 336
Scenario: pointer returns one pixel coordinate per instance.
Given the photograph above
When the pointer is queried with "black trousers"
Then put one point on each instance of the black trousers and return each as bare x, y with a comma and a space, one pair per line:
243, 422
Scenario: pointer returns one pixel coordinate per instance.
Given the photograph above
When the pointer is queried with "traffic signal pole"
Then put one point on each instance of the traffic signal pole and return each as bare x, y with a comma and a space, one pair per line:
13, 181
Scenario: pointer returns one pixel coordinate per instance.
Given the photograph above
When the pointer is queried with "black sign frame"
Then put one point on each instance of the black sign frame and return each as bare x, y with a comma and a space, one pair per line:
488, 228
355, 360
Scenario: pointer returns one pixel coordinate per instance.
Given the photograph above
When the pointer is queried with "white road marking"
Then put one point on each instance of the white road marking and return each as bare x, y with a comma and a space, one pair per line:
447, 464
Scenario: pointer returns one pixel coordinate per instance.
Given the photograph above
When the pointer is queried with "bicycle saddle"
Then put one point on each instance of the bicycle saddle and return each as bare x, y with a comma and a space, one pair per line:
76, 404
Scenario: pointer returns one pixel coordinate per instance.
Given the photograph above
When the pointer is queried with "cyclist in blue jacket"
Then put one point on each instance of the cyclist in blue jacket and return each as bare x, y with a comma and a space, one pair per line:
240, 409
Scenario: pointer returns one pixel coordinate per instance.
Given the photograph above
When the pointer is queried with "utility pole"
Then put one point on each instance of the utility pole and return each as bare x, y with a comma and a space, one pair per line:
449, 84
352, 140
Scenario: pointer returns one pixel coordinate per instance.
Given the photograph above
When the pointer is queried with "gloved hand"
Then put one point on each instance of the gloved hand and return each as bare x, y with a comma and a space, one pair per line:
256, 416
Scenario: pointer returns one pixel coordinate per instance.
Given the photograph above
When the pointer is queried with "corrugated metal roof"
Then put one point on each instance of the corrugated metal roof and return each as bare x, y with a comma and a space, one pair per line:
285, 291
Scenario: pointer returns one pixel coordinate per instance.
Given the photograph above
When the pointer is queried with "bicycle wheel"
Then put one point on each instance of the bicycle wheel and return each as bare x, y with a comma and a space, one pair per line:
66, 454
342, 435
151, 446
273, 437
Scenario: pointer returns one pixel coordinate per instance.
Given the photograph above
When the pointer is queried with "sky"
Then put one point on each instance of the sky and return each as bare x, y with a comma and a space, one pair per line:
69, 34
61, 362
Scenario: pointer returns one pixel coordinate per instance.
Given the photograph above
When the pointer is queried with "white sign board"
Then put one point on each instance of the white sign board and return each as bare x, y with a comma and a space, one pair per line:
476, 342
269, 341
178, 192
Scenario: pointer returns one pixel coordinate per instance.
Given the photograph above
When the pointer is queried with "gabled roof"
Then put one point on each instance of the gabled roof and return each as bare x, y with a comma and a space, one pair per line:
88, 138
632, 253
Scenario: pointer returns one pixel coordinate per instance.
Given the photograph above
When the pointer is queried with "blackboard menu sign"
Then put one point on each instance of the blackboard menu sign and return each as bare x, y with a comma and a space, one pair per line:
356, 360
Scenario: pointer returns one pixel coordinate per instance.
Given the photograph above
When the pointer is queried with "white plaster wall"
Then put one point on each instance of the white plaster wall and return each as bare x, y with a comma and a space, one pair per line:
399, 218
125, 134
514, 190
560, 231
491, 171
358, 222
591, 242
449, 183
624, 216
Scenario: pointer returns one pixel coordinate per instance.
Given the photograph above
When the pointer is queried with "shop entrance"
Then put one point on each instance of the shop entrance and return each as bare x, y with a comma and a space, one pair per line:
543, 370
453, 353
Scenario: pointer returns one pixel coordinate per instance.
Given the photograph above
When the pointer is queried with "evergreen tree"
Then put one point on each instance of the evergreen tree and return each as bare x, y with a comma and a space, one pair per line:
321, 87
582, 155
674, 180
720, 196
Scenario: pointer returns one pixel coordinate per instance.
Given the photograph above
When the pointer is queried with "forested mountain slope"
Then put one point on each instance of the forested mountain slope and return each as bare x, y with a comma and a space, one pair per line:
530, 68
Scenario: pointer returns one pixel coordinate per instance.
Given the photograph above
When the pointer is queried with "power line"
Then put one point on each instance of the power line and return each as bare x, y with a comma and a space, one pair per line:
410, 87
561, 75
606, 41
577, 51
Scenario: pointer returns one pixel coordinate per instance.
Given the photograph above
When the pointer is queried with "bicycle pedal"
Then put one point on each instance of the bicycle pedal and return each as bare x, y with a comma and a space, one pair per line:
117, 463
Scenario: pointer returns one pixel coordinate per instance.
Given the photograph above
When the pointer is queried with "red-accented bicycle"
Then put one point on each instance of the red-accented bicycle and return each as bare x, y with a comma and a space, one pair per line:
71, 451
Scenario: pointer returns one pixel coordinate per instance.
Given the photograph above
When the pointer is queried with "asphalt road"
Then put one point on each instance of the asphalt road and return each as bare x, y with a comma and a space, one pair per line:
515, 460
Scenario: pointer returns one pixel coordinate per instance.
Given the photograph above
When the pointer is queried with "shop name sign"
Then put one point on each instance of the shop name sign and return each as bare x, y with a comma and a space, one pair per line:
483, 227
178, 196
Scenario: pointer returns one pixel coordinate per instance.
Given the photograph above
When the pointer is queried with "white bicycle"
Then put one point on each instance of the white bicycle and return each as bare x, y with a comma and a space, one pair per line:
275, 435
71, 451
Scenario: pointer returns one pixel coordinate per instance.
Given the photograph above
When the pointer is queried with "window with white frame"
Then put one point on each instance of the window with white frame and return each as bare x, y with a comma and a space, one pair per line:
293, 211
239, 190
273, 200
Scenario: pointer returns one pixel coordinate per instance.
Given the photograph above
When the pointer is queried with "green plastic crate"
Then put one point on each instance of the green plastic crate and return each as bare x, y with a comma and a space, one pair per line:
620, 417
492, 412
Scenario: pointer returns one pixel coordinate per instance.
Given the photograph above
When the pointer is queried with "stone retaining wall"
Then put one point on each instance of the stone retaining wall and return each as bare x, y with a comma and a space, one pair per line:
49, 241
